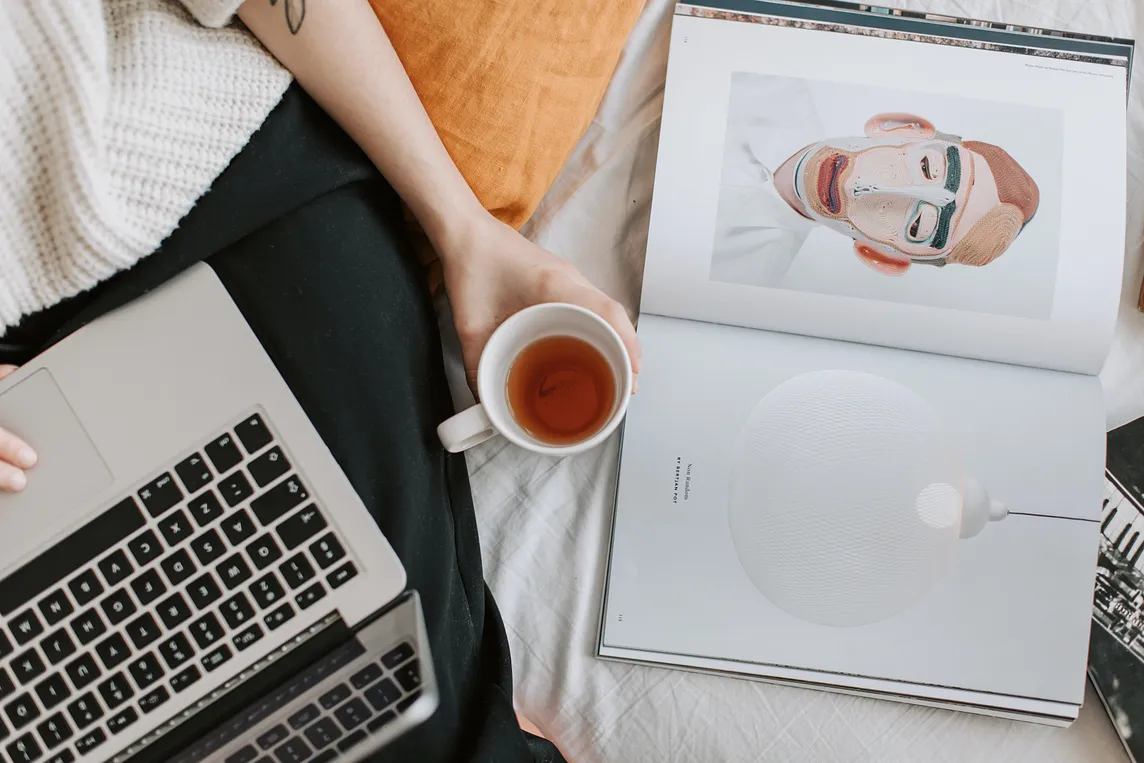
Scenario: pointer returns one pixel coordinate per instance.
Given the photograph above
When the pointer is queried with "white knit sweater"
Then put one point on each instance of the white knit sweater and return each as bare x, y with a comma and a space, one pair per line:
116, 116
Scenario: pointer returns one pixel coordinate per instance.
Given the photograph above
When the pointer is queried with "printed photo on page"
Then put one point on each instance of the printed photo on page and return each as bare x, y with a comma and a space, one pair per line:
915, 197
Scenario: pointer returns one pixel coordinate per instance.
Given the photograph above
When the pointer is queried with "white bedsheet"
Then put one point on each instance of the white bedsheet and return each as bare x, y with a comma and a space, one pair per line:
545, 523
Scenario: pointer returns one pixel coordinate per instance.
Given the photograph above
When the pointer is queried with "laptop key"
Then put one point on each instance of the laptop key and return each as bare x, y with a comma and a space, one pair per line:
145, 547
173, 610
55, 730
303, 717
247, 637
208, 547
143, 630
85, 711
342, 575
235, 488
269, 466
28, 666
397, 655
160, 495
115, 691
223, 454
365, 676
193, 472
178, 567
52, 691
58, 646
63, 756
267, 590
279, 500
184, 679
88, 626
7, 685
204, 591
22, 711
264, 551
327, 550
117, 723
89, 742
112, 650
115, 567
55, 606
146, 670
323, 733
234, 571
206, 630
25, 750
302, 526
26, 626
117, 606
83, 670
323, 757
176, 528
294, 750
176, 650
238, 528
310, 596
353, 740
149, 702
86, 587
272, 737
382, 694
279, 616
236, 610
353, 714
244, 755
380, 721
335, 696
409, 675
253, 433
296, 570
217, 657
148, 587
205, 508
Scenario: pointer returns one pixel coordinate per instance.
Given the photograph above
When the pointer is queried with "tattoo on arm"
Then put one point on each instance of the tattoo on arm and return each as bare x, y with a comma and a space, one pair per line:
295, 13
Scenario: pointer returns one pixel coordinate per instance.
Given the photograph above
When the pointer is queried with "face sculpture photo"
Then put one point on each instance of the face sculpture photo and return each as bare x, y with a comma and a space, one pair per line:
909, 194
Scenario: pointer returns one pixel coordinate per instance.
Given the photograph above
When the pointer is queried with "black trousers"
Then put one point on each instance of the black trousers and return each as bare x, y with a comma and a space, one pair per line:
307, 237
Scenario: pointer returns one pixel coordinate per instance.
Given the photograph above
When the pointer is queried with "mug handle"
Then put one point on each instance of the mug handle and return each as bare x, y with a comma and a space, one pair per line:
468, 428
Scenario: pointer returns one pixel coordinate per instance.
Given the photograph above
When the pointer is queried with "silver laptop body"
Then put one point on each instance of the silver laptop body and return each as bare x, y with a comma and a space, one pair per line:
188, 555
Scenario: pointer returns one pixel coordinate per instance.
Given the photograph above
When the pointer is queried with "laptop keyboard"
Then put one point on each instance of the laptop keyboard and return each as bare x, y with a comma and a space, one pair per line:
164, 587
343, 716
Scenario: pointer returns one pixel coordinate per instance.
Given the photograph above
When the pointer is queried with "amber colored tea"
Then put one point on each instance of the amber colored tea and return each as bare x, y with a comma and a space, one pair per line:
561, 390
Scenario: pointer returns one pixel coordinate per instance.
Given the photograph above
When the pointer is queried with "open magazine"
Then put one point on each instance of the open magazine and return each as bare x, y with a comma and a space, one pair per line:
882, 272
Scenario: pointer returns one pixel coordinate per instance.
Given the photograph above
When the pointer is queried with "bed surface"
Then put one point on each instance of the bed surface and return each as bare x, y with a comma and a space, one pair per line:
545, 523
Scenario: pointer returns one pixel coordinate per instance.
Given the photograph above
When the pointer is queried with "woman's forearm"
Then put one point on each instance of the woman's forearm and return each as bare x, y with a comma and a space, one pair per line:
339, 52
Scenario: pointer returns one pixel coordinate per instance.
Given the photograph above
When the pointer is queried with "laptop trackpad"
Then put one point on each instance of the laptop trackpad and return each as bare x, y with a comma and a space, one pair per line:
69, 473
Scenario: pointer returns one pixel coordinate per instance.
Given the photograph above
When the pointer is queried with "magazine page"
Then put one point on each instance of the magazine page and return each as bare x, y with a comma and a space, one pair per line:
949, 196
870, 559
1116, 655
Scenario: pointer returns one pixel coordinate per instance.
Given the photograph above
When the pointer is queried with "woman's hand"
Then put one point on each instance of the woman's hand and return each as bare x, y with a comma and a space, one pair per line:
15, 454
492, 272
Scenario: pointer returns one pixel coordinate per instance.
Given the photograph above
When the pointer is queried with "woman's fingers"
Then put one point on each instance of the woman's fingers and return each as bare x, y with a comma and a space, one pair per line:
15, 454
12, 480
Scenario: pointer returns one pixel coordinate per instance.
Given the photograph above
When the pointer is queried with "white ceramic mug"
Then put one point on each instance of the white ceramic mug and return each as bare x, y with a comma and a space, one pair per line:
493, 415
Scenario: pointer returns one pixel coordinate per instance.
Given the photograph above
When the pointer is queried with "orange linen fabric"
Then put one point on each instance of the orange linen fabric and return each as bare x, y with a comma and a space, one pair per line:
511, 85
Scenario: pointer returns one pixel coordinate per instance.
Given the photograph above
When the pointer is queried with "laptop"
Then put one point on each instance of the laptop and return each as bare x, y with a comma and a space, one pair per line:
189, 576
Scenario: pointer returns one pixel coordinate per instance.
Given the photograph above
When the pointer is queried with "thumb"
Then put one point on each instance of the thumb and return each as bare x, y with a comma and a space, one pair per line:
6, 370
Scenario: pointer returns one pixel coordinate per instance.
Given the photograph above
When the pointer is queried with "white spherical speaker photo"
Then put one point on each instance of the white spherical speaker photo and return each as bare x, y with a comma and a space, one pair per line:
848, 497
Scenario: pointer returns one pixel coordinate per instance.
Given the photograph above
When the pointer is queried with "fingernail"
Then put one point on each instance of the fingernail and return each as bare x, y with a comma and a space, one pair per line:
16, 481
26, 457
